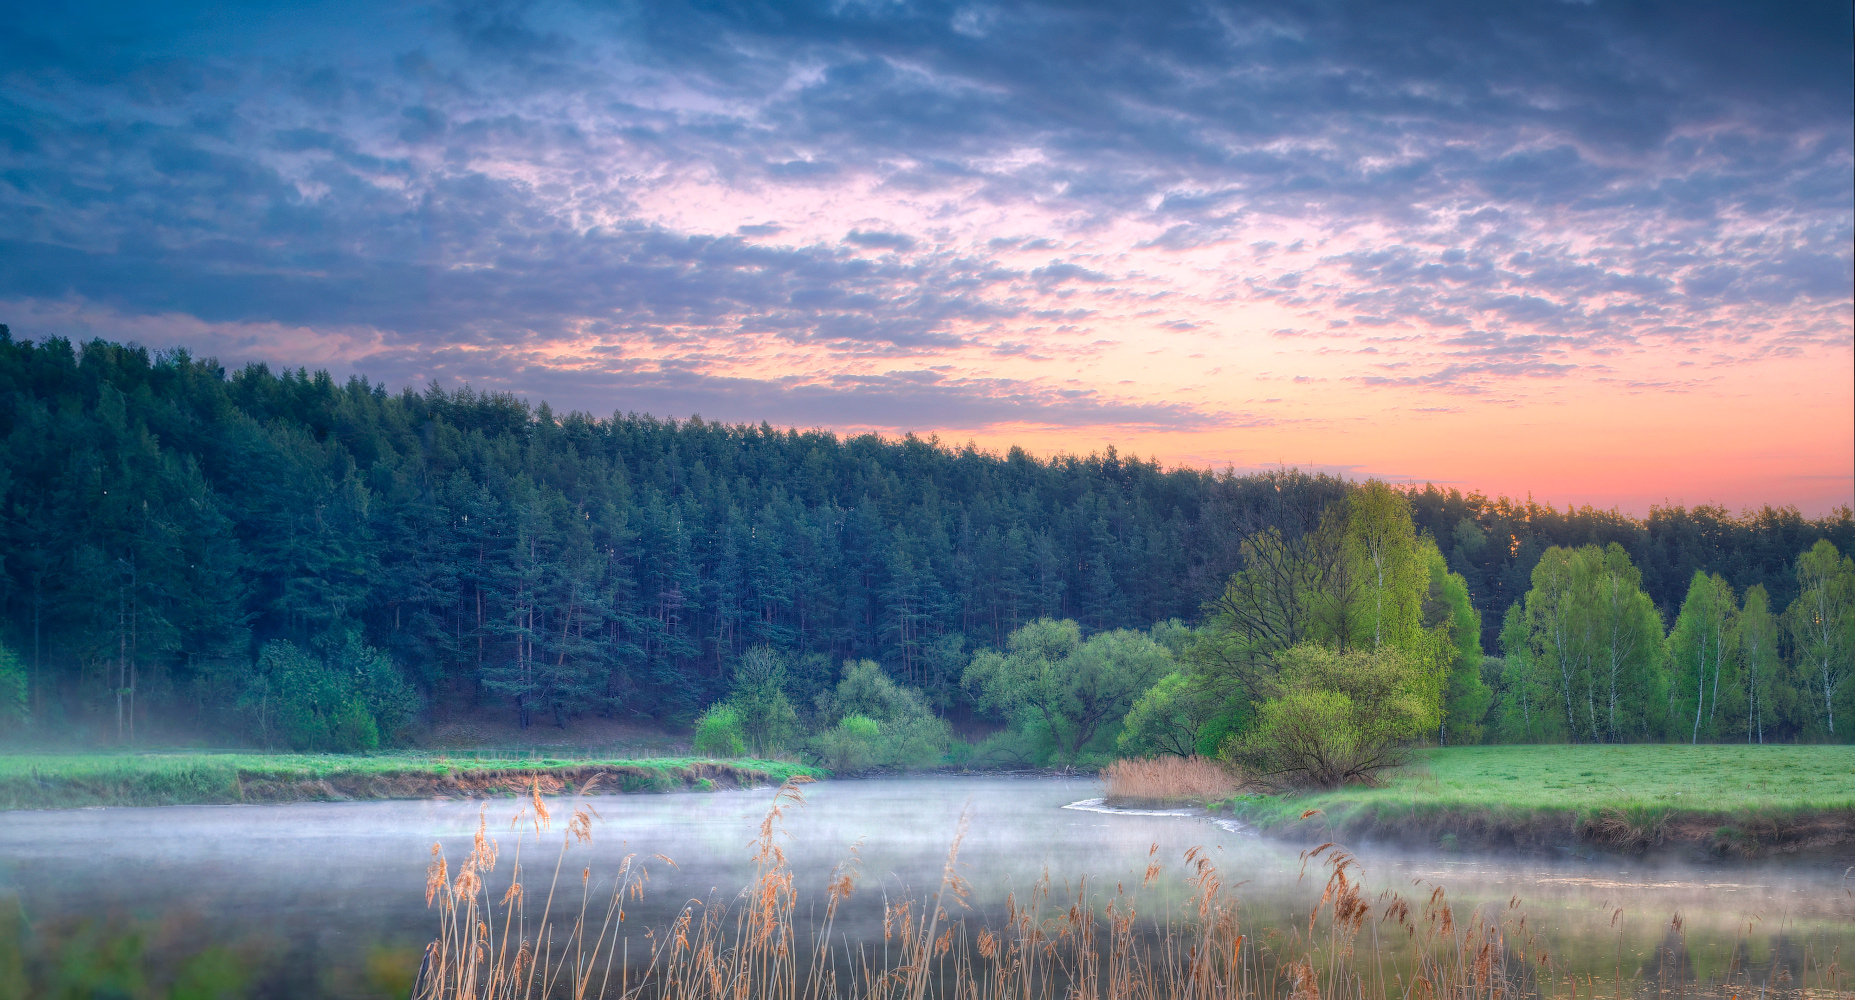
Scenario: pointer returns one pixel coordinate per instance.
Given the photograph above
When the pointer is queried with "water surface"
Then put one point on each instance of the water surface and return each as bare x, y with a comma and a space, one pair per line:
325, 889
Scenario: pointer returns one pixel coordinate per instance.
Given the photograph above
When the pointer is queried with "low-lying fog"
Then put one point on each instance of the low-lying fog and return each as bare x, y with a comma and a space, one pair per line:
331, 883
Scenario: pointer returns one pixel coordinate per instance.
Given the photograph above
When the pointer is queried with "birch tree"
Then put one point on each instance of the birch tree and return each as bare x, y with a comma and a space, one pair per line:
1625, 631
1821, 619
1696, 650
1756, 638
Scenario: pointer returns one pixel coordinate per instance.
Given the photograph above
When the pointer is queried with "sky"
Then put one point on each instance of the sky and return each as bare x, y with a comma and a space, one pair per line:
1591, 252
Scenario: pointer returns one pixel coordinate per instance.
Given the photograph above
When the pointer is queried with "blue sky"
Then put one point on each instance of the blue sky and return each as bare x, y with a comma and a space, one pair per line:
1599, 251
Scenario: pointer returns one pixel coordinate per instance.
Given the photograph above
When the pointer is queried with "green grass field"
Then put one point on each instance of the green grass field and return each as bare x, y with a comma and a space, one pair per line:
1510, 784
55, 781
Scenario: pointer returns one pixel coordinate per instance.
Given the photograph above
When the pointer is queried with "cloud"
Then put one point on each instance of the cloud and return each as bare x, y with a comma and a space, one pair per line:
880, 240
1479, 194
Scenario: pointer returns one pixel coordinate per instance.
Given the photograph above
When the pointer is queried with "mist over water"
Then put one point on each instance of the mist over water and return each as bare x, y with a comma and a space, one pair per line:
321, 886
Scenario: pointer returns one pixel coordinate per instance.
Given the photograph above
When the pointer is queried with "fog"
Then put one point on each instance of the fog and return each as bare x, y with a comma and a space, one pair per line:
326, 885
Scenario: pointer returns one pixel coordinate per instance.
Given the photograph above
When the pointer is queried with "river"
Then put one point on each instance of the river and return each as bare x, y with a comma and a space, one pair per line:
328, 899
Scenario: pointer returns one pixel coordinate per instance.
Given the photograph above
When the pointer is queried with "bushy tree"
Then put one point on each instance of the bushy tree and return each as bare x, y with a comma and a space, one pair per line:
1339, 718
1067, 690
1360, 577
1392, 569
851, 746
1171, 717
767, 719
718, 733
1292, 589
907, 733
348, 698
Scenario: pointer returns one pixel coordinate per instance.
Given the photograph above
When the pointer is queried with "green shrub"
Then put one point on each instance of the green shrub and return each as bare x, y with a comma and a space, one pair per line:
909, 734
914, 741
354, 729
766, 718
1340, 719
718, 733
1012, 748
308, 702
851, 745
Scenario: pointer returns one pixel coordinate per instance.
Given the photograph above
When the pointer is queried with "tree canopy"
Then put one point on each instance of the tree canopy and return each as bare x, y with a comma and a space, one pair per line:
165, 523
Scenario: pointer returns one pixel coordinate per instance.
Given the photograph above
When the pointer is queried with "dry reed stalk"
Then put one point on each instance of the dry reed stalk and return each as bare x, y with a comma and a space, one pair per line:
1167, 781
1085, 946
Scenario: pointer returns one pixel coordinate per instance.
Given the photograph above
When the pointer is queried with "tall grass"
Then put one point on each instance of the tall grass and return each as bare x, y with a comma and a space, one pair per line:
1050, 945
1167, 781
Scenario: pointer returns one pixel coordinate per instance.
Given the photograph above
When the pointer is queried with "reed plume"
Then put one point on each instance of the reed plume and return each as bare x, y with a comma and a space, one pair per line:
1079, 944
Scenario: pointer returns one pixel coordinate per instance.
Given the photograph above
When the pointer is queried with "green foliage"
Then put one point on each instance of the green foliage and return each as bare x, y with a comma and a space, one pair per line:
908, 734
1494, 543
1294, 588
1769, 696
350, 699
1582, 653
1822, 628
293, 699
1698, 654
171, 518
354, 729
1339, 718
767, 719
1390, 567
1448, 611
1175, 716
560, 564
719, 733
851, 746
15, 710
1357, 577
1014, 747
1175, 636
1064, 690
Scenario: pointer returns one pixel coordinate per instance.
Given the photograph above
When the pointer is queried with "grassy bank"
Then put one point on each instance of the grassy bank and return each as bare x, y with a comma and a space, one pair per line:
1741, 800
62, 781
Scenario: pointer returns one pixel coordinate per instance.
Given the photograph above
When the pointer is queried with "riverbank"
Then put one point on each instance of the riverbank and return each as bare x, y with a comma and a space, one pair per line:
1736, 801
67, 781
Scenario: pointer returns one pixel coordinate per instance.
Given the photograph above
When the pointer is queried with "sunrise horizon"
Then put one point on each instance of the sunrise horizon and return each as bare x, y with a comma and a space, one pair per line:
1589, 254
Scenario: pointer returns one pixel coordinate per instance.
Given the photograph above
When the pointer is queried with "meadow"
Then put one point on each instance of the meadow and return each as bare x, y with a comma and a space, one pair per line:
1738, 799
155, 778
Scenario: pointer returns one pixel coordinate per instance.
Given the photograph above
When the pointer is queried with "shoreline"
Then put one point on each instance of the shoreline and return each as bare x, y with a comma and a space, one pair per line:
1633, 831
45, 783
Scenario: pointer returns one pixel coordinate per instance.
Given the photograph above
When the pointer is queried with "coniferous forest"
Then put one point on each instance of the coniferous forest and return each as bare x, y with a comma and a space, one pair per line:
203, 546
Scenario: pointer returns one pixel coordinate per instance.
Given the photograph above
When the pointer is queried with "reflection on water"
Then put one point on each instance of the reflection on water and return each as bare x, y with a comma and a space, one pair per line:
329, 897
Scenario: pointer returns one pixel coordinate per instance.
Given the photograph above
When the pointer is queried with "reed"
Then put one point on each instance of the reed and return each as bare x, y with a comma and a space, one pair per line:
1167, 781
1050, 945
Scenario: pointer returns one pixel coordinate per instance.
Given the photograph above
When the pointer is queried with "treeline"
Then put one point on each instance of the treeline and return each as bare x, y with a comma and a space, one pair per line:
202, 544
1343, 639
1586, 657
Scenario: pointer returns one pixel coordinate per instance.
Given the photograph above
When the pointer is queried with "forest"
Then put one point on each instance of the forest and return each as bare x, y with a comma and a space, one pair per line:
276, 558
